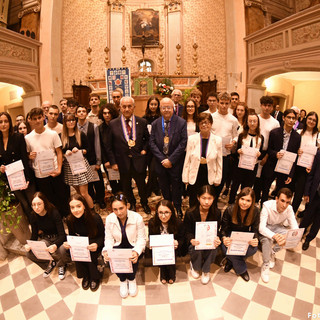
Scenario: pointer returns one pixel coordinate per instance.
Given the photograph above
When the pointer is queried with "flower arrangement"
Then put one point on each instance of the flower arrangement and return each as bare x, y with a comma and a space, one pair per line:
165, 87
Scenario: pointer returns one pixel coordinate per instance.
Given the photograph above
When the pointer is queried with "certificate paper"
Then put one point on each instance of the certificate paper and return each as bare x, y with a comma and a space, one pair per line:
76, 162
119, 260
206, 232
284, 164
39, 249
248, 158
113, 174
79, 248
162, 249
293, 238
307, 157
240, 243
45, 161
15, 175
95, 174
225, 140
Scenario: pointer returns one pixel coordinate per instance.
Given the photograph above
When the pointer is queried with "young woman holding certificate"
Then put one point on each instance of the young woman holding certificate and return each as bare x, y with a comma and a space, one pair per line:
249, 138
243, 216
74, 141
86, 223
203, 161
13, 148
47, 226
125, 230
203, 211
166, 222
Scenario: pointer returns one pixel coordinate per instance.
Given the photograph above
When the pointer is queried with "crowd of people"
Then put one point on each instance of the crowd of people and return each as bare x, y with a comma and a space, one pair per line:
189, 150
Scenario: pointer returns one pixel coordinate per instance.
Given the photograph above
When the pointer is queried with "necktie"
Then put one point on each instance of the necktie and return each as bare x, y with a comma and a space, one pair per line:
128, 127
166, 133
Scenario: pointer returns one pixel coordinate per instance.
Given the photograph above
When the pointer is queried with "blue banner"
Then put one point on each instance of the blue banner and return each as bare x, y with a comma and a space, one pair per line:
118, 78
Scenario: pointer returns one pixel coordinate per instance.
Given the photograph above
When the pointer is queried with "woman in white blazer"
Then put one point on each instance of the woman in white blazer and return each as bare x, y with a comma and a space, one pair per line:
203, 161
124, 229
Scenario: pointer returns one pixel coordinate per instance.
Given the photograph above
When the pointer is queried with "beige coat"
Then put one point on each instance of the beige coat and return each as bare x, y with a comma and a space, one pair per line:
135, 231
192, 159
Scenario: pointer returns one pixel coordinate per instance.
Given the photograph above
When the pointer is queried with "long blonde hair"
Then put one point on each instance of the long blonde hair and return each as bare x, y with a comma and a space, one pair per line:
65, 132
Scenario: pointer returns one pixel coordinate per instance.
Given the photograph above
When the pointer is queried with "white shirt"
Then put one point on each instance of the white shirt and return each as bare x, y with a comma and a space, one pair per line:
266, 125
57, 128
37, 142
309, 139
270, 216
208, 111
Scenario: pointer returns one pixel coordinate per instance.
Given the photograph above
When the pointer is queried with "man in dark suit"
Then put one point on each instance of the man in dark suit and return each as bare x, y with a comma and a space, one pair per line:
282, 138
312, 196
176, 98
168, 142
277, 114
128, 143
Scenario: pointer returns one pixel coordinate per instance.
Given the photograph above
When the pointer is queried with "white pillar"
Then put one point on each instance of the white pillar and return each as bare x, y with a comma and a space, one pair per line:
174, 36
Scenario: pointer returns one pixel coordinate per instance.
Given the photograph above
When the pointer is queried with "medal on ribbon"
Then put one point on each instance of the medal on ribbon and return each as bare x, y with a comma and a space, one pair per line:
130, 138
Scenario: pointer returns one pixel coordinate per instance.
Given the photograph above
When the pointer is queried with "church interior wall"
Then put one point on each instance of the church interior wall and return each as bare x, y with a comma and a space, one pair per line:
306, 96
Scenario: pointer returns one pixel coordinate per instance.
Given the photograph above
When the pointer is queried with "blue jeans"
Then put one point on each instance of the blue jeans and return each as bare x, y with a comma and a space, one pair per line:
239, 262
202, 259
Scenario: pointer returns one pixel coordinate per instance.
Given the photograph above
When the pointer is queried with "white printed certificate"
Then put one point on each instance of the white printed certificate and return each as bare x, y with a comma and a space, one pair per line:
45, 160
113, 174
119, 260
293, 238
162, 249
39, 249
284, 165
76, 162
79, 248
206, 232
15, 175
248, 158
307, 157
240, 243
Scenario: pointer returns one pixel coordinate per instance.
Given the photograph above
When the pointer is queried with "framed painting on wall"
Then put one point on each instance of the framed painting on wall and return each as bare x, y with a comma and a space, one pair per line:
145, 28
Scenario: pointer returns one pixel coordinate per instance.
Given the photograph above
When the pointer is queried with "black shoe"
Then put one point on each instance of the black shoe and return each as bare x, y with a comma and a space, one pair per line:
133, 207
102, 205
228, 266
146, 209
94, 285
49, 269
245, 276
305, 246
85, 283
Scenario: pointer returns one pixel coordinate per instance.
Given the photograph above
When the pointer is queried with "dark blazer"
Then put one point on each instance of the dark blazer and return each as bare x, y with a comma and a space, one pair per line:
16, 150
313, 178
118, 151
276, 143
103, 131
180, 110
279, 116
60, 118
178, 138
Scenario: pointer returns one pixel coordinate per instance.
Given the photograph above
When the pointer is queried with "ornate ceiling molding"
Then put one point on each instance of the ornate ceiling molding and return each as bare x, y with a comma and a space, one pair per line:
173, 5
116, 5
29, 7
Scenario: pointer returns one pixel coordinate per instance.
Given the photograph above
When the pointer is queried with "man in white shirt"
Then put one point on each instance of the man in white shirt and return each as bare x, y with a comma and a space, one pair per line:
234, 101
93, 115
53, 124
225, 126
212, 102
50, 183
267, 123
271, 229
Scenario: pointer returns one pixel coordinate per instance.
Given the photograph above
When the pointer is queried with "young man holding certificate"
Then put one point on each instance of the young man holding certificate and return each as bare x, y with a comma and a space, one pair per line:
274, 213
284, 143
44, 147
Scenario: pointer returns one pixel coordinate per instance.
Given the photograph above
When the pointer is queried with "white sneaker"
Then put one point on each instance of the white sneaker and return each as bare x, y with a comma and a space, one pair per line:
195, 274
124, 289
205, 277
133, 289
62, 272
265, 272
272, 260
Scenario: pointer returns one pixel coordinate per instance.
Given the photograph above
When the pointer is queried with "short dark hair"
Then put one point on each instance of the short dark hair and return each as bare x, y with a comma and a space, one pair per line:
35, 112
53, 106
94, 95
288, 111
266, 100
72, 101
234, 94
212, 94
63, 99
81, 106
286, 191
205, 116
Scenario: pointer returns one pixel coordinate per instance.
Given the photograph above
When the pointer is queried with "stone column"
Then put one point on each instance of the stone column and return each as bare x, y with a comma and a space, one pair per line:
116, 34
31, 100
255, 15
174, 29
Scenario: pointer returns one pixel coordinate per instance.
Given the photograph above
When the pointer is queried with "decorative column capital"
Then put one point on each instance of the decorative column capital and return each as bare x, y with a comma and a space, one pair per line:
116, 5
173, 5
29, 6
255, 3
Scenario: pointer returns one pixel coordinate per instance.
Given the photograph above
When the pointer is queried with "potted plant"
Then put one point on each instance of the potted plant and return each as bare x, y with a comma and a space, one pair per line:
12, 218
